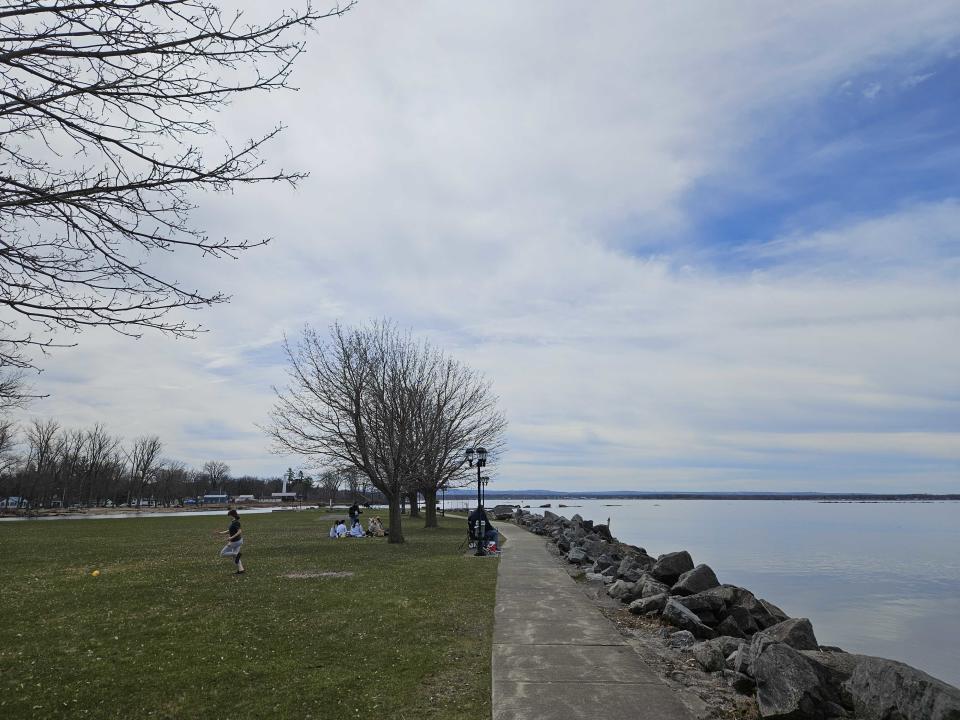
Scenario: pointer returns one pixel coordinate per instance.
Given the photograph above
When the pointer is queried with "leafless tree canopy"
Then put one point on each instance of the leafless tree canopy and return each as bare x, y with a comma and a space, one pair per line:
216, 473
397, 410
103, 108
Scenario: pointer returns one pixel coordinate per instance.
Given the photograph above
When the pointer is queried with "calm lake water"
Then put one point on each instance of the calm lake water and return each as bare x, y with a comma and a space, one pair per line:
875, 578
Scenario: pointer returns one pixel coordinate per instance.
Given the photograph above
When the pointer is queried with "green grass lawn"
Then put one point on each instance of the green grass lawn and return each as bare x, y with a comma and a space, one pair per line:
168, 631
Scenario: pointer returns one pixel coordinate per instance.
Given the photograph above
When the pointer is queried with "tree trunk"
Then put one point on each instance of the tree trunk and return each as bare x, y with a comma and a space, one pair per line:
430, 497
414, 505
396, 529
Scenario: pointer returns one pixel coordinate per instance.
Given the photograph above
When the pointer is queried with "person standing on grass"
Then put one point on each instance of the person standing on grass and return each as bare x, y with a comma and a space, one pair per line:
354, 514
234, 540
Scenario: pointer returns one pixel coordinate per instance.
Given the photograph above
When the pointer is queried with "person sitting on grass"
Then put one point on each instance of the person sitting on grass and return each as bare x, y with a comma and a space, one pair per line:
234, 541
333, 530
341, 529
357, 530
375, 527
480, 516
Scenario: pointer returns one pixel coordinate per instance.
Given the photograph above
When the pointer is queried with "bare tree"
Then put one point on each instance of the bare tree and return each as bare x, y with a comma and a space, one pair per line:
217, 473
458, 411
8, 444
101, 463
330, 481
348, 400
103, 108
144, 459
396, 410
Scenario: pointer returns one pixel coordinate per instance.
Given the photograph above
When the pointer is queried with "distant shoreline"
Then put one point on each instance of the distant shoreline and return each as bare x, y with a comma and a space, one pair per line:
819, 497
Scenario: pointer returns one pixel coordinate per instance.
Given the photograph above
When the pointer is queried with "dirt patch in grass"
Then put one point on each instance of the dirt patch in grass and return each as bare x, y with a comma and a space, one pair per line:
308, 575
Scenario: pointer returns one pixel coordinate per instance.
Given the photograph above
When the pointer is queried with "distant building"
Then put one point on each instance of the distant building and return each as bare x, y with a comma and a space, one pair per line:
244, 498
215, 499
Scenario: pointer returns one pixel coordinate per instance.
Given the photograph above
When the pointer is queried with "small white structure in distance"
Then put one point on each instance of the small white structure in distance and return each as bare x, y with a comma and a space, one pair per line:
283, 494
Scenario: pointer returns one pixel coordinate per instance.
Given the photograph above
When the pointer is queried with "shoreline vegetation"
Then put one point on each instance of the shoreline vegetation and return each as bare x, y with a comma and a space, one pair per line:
740, 641
315, 627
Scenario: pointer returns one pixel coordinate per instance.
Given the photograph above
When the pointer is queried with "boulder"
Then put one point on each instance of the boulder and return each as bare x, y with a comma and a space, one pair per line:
628, 564
709, 657
773, 610
623, 591
502, 512
728, 626
595, 548
787, 685
654, 603
681, 638
886, 690
652, 587
678, 616
610, 572
795, 632
708, 608
640, 557
739, 618
550, 518
834, 669
671, 566
606, 560
694, 581
577, 555
604, 532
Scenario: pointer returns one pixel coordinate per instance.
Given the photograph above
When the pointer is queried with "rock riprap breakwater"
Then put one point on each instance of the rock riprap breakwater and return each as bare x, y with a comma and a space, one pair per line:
751, 641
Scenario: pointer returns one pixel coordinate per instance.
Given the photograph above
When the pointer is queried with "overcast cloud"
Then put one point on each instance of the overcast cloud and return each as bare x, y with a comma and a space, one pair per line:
695, 246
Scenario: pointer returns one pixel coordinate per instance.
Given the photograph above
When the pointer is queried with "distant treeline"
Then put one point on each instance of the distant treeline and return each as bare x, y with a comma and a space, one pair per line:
45, 465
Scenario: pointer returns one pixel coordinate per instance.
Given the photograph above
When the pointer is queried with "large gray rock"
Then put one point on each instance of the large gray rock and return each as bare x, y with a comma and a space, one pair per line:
711, 655
888, 690
694, 581
728, 626
774, 612
735, 596
627, 565
605, 561
595, 548
795, 632
549, 517
708, 608
642, 606
624, 591
787, 685
681, 638
678, 616
671, 566
650, 588
643, 560
577, 555
742, 620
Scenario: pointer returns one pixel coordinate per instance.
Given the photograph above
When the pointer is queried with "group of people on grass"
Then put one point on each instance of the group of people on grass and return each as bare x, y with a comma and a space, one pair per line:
478, 523
354, 528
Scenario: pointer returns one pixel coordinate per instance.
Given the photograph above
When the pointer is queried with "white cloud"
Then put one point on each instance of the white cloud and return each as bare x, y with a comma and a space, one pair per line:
496, 176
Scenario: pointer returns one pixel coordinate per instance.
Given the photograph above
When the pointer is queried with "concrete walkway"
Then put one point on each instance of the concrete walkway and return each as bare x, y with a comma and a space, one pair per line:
555, 656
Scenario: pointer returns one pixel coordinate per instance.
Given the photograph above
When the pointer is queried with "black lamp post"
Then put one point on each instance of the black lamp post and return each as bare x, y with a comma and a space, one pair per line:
481, 461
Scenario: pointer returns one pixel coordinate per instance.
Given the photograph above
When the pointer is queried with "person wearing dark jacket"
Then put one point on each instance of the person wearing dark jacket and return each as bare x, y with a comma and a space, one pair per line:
234, 544
489, 531
354, 513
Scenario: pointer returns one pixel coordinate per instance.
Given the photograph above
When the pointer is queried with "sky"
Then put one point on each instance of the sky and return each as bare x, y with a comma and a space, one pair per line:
694, 246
